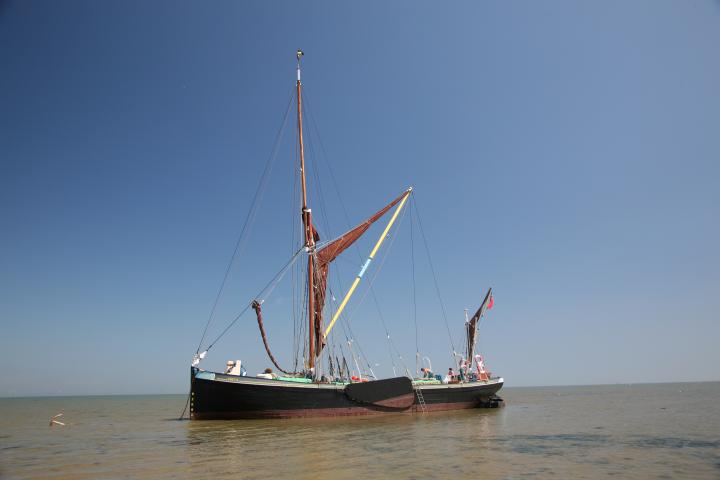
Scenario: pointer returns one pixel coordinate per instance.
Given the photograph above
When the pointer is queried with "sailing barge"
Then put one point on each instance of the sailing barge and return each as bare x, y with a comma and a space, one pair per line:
317, 391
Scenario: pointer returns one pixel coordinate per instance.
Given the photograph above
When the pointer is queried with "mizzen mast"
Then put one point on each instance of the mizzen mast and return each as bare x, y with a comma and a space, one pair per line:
307, 224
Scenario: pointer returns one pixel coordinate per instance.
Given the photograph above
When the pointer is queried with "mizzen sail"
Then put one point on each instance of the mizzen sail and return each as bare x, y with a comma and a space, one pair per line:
471, 325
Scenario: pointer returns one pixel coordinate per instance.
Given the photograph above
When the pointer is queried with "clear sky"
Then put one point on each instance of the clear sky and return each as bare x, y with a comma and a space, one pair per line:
565, 153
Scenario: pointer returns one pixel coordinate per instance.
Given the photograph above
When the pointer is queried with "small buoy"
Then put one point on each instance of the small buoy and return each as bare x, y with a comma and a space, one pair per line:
54, 422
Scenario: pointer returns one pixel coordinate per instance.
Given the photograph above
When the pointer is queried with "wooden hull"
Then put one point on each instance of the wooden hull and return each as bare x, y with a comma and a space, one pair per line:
219, 396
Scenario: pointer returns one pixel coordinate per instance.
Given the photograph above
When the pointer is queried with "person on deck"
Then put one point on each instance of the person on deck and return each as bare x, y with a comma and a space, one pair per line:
267, 374
462, 371
427, 373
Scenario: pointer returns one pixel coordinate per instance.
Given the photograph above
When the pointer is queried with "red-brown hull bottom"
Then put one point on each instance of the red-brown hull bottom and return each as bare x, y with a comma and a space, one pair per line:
329, 412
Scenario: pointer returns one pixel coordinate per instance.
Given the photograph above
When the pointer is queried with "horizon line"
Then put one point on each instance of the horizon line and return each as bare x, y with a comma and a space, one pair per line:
629, 384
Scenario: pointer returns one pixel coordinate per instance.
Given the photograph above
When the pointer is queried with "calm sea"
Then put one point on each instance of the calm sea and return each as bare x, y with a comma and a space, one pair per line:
626, 431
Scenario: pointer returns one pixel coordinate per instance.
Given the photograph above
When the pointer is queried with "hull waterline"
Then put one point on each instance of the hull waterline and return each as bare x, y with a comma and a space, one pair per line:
219, 396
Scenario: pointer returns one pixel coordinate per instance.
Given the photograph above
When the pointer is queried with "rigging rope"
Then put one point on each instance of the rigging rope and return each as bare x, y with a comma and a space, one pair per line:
247, 224
414, 297
391, 344
432, 269
265, 292
371, 282
311, 150
385, 255
296, 273
323, 211
353, 339
340, 344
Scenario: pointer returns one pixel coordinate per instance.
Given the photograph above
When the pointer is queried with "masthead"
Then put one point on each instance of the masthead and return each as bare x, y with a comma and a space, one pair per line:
298, 55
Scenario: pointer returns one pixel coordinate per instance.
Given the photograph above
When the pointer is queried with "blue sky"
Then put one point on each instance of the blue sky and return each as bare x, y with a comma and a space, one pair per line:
564, 153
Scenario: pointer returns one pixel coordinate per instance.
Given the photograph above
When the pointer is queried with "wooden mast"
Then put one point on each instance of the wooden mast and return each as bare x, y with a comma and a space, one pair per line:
307, 224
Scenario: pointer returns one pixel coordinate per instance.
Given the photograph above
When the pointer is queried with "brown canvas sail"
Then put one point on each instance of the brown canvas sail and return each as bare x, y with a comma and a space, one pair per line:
325, 255
471, 326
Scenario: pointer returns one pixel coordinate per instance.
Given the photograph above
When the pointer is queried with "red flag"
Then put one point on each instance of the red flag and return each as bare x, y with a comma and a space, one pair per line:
491, 302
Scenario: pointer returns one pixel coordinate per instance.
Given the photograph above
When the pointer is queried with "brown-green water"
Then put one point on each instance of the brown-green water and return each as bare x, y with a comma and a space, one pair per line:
638, 431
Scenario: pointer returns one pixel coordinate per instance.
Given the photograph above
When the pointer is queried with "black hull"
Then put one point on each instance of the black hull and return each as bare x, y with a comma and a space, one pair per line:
459, 396
218, 396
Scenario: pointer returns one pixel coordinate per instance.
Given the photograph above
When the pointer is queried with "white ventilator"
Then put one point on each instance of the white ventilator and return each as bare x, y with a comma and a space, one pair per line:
234, 367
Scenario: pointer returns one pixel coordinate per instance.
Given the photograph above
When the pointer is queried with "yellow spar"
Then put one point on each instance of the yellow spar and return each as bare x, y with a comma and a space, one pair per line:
367, 262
